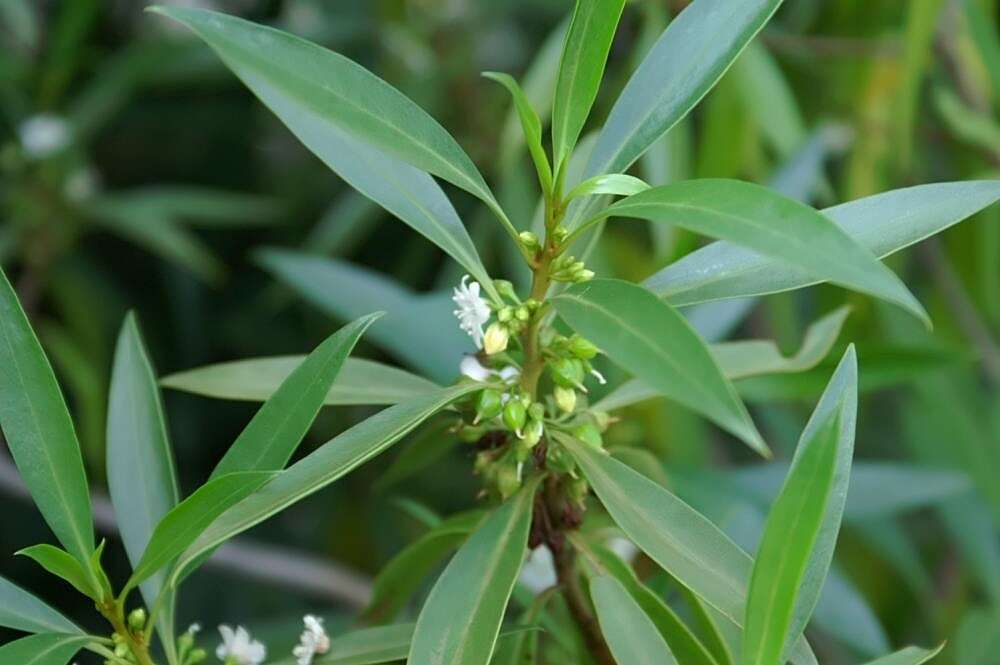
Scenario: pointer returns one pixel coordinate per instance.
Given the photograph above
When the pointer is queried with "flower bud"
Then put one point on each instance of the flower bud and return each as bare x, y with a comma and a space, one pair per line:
483, 464
567, 372
488, 405
557, 459
565, 398
496, 338
589, 434
602, 419
577, 489
536, 411
469, 434
583, 275
197, 656
529, 240
508, 481
514, 415
505, 289
137, 619
533, 433
582, 348
560, 234
185, 641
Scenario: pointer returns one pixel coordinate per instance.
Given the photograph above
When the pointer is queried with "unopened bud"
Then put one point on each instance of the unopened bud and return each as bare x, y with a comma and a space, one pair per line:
582, 348
488, 405
508, 481
529, 240
505, 289
558, 460
536, 411
533, 433
137, 619
589, 434
560, 234
567, 372
522, 313
565, 398
471, 434
602, 419
496, 339
583, 276
514, 415
505, 314
197, 656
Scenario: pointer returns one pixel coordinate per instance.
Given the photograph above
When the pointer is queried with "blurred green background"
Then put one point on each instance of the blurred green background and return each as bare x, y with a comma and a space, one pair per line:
136, 173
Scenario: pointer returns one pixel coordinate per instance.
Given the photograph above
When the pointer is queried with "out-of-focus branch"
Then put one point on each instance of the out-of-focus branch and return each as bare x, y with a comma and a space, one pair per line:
262, 563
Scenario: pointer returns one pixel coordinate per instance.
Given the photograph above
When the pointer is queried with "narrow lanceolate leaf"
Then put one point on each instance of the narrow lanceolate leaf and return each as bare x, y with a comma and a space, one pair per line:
402, 576
745, 358
531, 125
762, 220
20, 610
631, 635
907, 656
676, 536
883, 224
651, 340
141, 476
460, 620
189, 519
43, 649
39, 431
581, 69
256, 379
62, 564
338, 108
326, 464
789, 538
615, 184
267, 443
686, 61
685, 646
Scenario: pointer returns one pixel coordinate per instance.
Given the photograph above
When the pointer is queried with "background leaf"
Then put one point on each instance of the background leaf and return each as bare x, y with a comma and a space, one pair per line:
43, 649
20, 610
631, 635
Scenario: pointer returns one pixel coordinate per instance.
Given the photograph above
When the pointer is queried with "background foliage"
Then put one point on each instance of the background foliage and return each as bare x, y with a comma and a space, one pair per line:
180, 197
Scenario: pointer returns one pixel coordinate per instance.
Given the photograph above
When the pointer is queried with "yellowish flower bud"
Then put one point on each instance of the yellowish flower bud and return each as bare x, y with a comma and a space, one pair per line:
496, 339
565, 398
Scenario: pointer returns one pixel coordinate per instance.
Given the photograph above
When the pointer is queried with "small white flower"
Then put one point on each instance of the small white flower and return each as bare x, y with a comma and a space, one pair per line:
43, 134
509, 373
473, 311
538, 572
313, 640
194, 628
472, 368
239, 648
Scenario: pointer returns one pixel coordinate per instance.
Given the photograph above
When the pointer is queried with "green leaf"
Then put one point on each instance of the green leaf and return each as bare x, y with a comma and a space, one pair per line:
531, 125
977, 640
39, 431
615, 184
195, 206
268, 441
907, 656
651, 340
402, 576
581, 69
141, 476
43, 649
318, 469
759, 219
685, 647
20, 610
746, 358
687, 60
190, 518
631, 635
884, 224
62, 564
256, 379
460, 620
790, 535
769, 99
425, 448
418, 329
676, 536
325, 98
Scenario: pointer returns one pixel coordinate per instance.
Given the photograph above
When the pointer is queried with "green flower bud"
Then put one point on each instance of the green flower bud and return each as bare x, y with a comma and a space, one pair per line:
565, 398
567, 372
522, 313
583, 276
197, 656
521, 451
557, 460
471, 434
505, 314
121, 650
508, 481
496, 339
533, 433
602, 419
185, 642
529, 240
514, 415
560, 234
582, 348
137, 619
117, 638
536, 411
577, 489
589, 434
505, 289
488, 405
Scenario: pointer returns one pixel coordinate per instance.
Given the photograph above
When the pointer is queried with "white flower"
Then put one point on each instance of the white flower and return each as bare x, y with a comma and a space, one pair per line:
43, 134
238, 648
472, 368
473, 311
509, 373
313, 640
538, 572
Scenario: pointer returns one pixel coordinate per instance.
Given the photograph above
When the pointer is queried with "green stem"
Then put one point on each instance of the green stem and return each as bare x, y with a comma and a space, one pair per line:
114, 612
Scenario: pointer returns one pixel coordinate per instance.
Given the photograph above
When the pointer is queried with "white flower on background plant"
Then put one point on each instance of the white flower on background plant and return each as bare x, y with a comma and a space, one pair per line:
473, 311
509, 373
313, 640
43, 134
472, 368
238, 648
